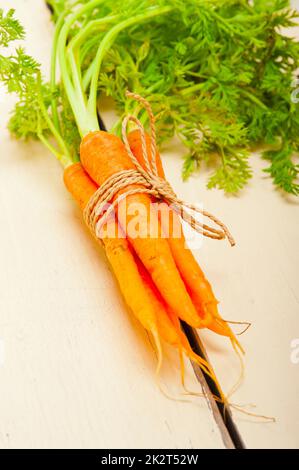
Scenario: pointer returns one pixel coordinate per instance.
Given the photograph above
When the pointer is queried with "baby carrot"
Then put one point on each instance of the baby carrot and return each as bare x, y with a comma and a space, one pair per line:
103, 155
197, 285
118, 253
169, 325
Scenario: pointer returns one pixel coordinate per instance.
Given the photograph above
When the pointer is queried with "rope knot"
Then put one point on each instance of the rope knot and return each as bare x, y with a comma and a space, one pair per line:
148, 181
162, 188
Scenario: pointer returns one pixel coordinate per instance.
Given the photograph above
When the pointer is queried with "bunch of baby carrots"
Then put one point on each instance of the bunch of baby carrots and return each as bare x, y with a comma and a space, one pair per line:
158, 277
170, 284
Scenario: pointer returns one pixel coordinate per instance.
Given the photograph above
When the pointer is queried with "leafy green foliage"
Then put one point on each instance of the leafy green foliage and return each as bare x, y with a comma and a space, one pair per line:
27, 120
10, 28
233, 174
283, 169
21, 75
219, 75
18, 72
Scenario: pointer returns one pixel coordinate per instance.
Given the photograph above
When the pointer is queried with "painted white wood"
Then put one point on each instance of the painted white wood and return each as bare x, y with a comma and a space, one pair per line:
75, 368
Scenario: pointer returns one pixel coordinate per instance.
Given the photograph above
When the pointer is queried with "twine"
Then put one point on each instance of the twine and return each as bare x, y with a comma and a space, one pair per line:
96, 212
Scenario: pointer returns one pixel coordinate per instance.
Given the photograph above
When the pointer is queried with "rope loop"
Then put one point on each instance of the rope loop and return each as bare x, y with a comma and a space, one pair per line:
149, 182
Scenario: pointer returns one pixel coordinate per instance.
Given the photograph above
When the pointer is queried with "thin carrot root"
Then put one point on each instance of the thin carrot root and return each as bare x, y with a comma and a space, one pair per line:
234, 406
240, 409
182, 369
222, 399
187, 350
158, 375
246, 327
182, 366
239, 353
159, 350
241, 374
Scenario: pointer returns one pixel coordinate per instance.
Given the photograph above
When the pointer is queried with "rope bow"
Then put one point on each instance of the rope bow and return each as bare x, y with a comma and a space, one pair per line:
96, 211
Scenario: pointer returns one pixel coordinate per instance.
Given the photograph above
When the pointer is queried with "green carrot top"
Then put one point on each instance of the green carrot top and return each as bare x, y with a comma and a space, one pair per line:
218, 74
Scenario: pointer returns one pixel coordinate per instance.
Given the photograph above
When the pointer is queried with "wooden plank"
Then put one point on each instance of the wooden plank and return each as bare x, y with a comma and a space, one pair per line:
77, 371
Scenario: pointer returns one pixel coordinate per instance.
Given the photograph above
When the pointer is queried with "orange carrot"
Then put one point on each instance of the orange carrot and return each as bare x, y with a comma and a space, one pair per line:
102, 155
197, 285
118, 253
169, 326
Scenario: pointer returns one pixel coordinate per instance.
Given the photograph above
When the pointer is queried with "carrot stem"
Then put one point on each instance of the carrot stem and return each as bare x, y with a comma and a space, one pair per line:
57, 30
86, 121
53, 150
66, 155
107, 43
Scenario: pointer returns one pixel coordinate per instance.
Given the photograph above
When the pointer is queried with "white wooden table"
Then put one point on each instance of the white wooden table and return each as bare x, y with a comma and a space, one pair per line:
75, 369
